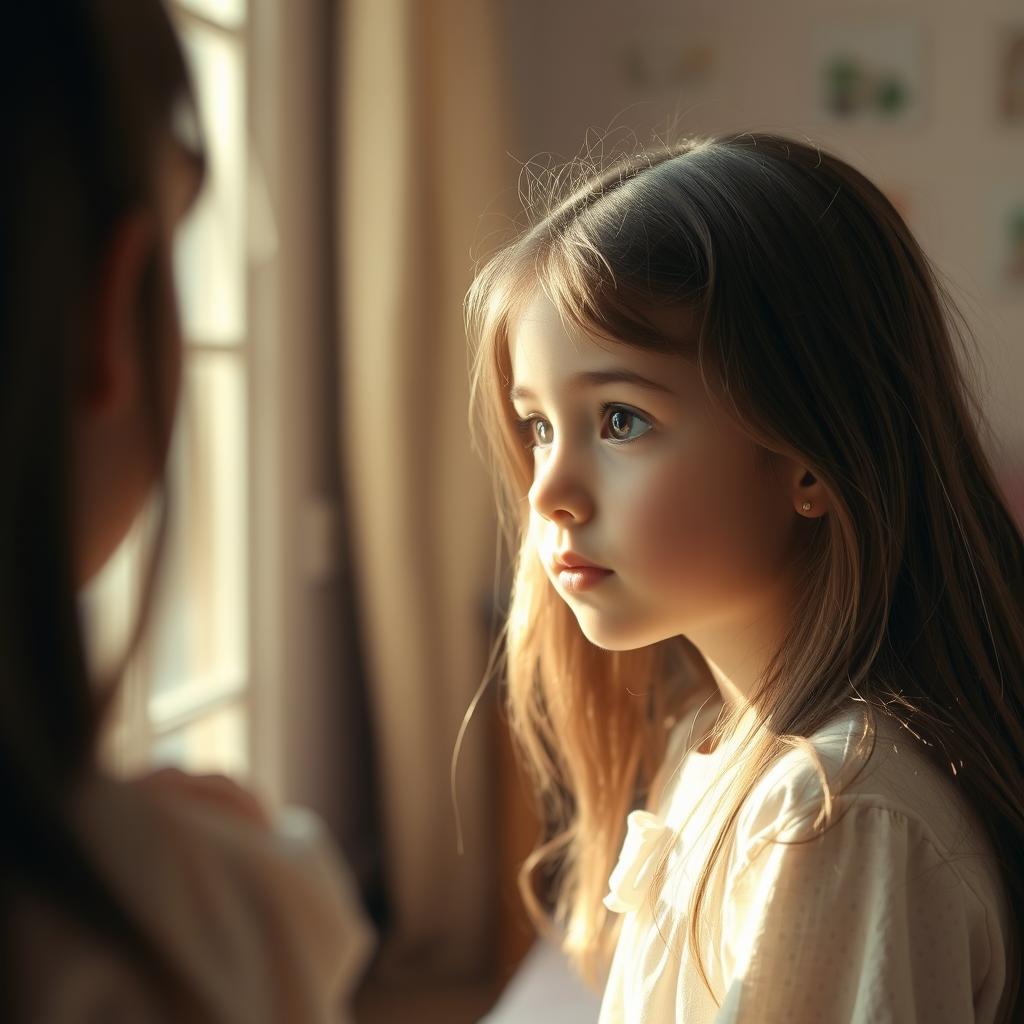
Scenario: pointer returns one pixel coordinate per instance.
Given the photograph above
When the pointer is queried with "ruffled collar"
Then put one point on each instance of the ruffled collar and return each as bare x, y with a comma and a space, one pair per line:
647, 837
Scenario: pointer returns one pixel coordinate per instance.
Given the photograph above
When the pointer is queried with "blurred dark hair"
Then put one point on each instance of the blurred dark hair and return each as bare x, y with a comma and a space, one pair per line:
90, 91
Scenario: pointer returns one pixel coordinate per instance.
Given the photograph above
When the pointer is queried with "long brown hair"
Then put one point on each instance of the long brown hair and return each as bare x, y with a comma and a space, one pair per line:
89, 90
825, 332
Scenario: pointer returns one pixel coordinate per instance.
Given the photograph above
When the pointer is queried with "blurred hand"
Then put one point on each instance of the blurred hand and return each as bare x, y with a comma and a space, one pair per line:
216, 789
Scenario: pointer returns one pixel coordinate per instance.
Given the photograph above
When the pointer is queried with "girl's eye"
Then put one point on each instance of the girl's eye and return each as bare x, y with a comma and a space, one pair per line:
624, 424
536, 432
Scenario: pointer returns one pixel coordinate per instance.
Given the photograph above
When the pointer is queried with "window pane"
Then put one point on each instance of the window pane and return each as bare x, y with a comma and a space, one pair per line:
200, 626
108, 607
210, 259
226, 12
216, 743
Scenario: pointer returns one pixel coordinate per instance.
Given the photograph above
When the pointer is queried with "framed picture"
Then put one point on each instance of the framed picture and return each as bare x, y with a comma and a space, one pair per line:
1010, 71
1011, 479
869, 73
660, 65
1005, 242
899, 196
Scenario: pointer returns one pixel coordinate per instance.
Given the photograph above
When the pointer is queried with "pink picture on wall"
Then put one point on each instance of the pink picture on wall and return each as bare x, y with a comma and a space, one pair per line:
1010, 88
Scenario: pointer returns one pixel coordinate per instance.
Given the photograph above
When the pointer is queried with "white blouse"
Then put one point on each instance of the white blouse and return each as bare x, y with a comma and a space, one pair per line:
897, 914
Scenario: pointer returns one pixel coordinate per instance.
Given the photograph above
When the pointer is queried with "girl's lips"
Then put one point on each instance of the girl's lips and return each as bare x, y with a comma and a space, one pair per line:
583, 577
570, 560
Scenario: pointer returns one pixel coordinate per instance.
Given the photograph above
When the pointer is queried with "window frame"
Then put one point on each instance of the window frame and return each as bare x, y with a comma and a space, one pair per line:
142, 719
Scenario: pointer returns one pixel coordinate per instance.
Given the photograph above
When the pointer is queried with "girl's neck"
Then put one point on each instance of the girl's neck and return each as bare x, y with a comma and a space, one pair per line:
709, 716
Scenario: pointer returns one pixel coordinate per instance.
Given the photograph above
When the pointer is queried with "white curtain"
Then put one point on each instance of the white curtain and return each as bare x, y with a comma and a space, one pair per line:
421, 157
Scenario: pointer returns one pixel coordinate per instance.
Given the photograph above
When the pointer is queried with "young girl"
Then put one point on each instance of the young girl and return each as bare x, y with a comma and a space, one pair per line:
765, 651
166, 897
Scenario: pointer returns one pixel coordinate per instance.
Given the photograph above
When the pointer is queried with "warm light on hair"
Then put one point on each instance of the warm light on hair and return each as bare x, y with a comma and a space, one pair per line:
911, 594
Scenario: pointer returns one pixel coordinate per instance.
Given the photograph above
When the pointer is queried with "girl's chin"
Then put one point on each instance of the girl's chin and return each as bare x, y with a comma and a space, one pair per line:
618, 636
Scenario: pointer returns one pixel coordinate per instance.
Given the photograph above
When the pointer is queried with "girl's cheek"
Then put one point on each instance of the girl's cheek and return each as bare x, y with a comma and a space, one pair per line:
538, 539
697, 518
671, 527
668, 501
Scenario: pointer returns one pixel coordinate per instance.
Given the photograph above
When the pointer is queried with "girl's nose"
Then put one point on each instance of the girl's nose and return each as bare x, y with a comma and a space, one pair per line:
558, 492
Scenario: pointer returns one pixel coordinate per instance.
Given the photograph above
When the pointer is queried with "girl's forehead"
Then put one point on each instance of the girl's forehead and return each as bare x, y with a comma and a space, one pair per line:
545, 348
539, 325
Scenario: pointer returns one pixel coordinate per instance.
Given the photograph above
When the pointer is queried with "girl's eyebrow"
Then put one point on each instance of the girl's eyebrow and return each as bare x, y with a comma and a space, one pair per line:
595, 378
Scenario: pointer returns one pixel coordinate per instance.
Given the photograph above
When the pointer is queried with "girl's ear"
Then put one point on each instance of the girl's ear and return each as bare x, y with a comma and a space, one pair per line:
109, 369
809, 497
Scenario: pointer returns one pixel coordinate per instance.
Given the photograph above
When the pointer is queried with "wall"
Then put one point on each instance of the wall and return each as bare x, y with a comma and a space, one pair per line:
573, 66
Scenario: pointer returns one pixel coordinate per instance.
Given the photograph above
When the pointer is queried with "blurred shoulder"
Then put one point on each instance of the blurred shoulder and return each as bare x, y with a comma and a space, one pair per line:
265, 920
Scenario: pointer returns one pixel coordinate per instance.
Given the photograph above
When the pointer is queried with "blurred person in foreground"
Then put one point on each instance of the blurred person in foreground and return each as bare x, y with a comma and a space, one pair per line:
168, 896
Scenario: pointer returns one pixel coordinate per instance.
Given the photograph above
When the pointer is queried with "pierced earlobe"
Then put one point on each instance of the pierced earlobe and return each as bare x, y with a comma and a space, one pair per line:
806, 506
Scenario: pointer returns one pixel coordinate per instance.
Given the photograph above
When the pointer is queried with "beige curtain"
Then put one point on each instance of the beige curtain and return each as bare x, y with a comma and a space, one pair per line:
421, 155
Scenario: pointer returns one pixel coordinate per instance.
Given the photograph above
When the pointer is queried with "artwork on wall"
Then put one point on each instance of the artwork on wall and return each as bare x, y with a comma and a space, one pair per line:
1010, 88
1011, 480
898, 196
869, 72
1006, 239
658, 66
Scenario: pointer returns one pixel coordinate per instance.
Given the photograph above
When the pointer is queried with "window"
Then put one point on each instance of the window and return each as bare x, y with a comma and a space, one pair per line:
190, 696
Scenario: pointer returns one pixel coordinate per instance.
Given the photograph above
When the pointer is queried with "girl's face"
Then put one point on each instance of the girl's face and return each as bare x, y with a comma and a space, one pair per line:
636, 472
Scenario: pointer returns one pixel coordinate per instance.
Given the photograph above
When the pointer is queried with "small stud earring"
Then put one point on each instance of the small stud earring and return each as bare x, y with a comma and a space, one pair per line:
806, 506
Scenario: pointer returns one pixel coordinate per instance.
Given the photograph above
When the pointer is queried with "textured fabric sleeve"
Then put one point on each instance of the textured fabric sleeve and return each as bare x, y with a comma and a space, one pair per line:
866, 923
291, 922
309, 904
263, 923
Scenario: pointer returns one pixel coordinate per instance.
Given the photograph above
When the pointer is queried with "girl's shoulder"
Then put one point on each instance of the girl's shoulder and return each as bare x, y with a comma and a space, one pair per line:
257, 917
842, 767
842, 757
888, 775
